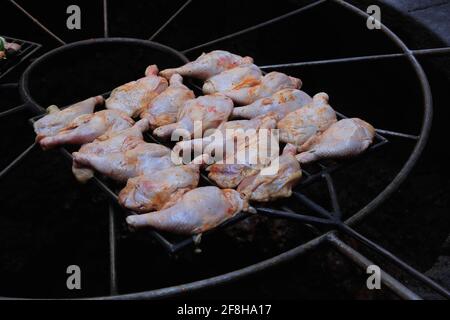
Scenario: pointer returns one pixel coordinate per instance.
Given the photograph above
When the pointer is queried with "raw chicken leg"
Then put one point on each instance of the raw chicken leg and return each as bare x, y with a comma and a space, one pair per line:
243, 76
145, 158
158, 190
208, 65
86, 128
270, 84
275, 181
56, 120
300, 125
117, 142
197, 211
134, 96
345, 138
208, 111
164, 108
281, 103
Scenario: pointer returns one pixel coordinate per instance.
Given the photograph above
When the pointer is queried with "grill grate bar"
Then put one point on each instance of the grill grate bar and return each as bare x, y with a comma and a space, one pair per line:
157, 32
27, 49
112, 251
257, 26
105, 19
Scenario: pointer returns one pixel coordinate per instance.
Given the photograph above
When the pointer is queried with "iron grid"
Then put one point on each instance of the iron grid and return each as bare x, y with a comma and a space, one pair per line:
329, 218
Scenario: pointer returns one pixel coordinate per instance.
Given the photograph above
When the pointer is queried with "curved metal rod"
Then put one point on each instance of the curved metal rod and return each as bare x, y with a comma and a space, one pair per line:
257, 26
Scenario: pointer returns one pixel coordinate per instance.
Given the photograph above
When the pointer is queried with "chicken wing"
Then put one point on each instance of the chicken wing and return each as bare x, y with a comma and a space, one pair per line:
161, 188
270, 84
345, 138
300, 125
197, 211
243, 76
208, 65
120, 141
164, 108
206, 111
86, 128
275, 181
56, 120
281, 103
134, 96
145, 158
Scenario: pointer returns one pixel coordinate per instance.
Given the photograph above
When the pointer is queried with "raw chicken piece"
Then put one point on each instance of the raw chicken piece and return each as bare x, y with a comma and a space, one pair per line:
270, 84
197, 211
158, 190
56, 120
275, 181
300, 125
8, 48
116, 142
227, 132
164, 108
145, 158
86, 128
243, 76
208, 65
345, 138
208, 111
134, 96
251, 154
281, 103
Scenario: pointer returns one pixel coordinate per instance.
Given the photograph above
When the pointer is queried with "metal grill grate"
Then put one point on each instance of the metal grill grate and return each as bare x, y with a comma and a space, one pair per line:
26, 50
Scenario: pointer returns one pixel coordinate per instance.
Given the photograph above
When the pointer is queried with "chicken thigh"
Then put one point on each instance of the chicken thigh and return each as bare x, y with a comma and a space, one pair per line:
270, 84
245, 158
197, 211
116, 142
134, 96
159, 189
280, 103
145, 158
276, 180
208, 65
164, 108
300, 125
86, 128
243, 76
206, 111
56, 120
345, 138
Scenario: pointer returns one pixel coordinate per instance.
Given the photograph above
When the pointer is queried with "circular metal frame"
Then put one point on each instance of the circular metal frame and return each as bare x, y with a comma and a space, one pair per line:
301, 249
24, 81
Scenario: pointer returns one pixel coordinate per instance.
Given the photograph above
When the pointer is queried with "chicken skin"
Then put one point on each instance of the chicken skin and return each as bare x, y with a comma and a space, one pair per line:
275, 181
164, 108
121, 141
217, 142
345, 138
56, 120
206, 111
134, 96
243, 76
86, 128
248, 155
270, 84
197, 211
280, 103
300, 125
159, 189
8, 48
208, 65
144, 158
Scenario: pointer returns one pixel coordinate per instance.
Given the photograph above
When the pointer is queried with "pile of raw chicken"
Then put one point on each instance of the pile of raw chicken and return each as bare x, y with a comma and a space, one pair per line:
237, 95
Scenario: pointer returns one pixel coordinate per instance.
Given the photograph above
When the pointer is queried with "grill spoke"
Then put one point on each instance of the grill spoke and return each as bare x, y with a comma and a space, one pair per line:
170, 20
105, 19
16, 161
